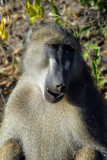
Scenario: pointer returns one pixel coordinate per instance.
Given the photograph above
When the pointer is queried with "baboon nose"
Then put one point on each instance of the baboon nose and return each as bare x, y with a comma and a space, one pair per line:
61, 87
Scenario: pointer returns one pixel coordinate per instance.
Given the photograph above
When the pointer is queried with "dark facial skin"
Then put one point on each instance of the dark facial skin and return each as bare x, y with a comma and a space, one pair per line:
60, 62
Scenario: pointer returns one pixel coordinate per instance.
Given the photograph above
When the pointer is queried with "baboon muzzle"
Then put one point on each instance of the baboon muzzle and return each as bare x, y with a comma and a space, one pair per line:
55, 89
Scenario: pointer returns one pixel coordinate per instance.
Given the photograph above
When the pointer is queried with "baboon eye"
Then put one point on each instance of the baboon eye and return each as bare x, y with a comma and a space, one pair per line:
53, 46
69, 48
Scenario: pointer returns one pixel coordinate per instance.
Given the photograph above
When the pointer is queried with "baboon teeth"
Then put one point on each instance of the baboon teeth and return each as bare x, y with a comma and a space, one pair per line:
60, 95
56, 95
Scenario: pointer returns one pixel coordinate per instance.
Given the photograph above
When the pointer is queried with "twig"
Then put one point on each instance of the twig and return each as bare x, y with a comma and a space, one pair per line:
2, 49
4, 102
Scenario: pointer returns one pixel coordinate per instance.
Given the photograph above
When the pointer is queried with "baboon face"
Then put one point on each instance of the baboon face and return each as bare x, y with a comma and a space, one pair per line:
53, 58
60, 58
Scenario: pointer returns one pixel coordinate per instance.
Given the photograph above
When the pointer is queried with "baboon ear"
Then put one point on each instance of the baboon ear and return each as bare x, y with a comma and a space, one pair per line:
28, 35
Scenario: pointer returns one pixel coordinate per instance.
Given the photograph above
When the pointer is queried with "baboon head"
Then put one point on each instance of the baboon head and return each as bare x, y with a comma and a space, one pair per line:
53, 58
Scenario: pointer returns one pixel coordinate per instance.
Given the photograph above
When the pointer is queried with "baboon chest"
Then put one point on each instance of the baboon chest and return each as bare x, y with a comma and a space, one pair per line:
50, 137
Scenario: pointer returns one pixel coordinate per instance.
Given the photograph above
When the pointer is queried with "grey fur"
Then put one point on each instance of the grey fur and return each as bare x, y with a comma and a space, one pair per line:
54, 131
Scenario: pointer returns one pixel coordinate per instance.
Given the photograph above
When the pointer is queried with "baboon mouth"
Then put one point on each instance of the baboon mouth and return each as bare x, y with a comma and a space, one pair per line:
54, 94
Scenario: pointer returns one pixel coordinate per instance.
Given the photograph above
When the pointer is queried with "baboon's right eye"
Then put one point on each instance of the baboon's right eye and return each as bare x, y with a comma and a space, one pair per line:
53, 46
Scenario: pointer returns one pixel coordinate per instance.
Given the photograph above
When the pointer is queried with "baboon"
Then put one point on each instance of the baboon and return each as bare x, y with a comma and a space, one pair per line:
55, 111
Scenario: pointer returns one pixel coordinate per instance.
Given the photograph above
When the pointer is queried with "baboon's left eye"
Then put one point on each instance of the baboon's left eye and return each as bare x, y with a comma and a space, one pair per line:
53, 46
69, 48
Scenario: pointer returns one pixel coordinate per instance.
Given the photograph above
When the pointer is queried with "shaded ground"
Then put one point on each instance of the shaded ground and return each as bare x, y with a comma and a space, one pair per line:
10, 50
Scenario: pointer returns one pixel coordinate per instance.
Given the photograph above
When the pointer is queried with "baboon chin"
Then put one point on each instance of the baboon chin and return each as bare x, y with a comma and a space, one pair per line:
55, 111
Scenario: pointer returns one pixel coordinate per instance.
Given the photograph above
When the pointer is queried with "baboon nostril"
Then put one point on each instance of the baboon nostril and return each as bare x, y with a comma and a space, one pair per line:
61, 87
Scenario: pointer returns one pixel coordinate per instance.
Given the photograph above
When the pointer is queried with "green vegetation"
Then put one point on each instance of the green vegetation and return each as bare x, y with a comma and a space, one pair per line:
95, 61
35, 11
3, 32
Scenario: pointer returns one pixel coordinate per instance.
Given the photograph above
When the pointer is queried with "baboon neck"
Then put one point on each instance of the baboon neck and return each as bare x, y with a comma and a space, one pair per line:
84, 94
83, 90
